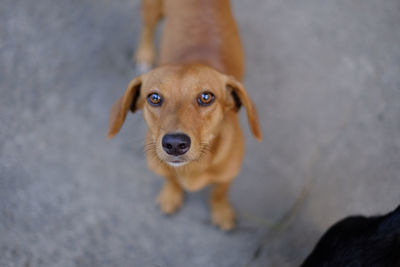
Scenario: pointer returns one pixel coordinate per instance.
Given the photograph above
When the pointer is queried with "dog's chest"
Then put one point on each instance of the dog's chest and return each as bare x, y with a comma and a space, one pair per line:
193, 182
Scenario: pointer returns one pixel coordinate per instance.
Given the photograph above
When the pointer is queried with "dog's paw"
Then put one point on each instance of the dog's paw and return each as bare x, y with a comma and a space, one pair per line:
170, 199
144, 58
223, 215
142, 67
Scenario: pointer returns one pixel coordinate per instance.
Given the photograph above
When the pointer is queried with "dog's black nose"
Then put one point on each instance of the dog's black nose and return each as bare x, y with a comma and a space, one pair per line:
176, 144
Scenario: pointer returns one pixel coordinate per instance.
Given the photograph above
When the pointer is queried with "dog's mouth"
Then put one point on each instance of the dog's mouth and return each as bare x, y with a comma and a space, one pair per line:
174, 155
176, 162
176, 148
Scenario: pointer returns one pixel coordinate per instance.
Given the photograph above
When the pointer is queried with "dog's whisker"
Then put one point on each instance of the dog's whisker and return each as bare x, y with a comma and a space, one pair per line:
149, 146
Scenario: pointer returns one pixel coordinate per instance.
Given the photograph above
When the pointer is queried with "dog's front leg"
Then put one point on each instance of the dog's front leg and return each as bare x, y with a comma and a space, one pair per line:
170, 197
222, 213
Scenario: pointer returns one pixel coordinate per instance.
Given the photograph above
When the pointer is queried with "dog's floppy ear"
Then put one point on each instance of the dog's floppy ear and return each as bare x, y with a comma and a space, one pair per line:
239, 96
120, 108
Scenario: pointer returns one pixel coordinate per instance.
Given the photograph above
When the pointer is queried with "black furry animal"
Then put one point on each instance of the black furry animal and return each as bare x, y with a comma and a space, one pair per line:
359, 241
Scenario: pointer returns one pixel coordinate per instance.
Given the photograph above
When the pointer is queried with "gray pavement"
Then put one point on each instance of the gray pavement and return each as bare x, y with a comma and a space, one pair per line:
325, 76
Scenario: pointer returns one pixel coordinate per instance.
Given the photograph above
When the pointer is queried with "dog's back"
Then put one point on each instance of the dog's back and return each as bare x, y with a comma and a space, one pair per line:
201, 32
359, 241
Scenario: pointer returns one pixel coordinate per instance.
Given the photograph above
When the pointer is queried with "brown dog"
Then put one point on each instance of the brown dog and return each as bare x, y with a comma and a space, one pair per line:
190, 101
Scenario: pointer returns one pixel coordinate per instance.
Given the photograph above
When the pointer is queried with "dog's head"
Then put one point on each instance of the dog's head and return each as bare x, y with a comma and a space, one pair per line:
184, 108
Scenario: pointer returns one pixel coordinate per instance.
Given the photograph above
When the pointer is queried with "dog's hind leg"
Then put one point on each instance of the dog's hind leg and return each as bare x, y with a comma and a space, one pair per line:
145, 52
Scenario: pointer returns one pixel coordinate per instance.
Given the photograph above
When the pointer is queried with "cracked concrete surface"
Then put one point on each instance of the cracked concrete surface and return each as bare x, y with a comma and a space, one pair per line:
325, 76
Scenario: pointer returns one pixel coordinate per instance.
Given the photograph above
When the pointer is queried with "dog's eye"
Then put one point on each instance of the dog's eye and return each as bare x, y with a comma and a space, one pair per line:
154, 99
205, 99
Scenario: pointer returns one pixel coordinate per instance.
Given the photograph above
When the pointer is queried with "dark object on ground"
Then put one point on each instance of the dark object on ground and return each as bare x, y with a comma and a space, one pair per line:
360, 241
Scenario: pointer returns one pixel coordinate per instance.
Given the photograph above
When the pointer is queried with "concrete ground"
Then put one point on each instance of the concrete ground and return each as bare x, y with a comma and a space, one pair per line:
325, 76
